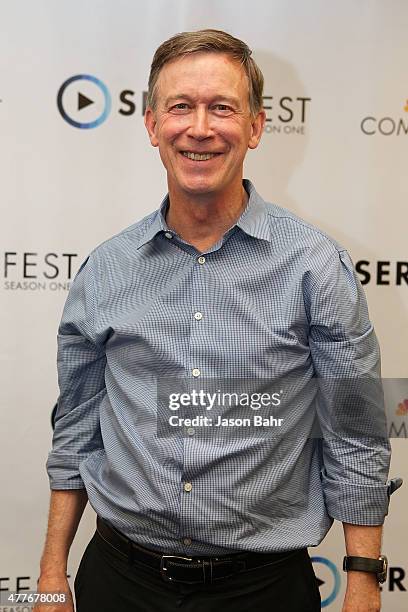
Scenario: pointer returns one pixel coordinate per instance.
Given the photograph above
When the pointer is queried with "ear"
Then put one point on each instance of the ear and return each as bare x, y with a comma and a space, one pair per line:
257, 127
150, 123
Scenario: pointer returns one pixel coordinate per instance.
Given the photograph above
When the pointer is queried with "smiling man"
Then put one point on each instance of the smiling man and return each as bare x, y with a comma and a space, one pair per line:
215, 285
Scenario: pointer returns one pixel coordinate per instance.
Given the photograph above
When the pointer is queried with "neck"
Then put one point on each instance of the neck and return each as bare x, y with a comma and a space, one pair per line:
202, 219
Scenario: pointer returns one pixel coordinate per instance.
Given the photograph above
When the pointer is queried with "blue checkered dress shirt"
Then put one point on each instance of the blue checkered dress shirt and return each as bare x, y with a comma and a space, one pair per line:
276, 296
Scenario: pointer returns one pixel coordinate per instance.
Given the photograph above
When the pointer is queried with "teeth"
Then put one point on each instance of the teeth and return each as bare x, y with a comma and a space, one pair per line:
198, 156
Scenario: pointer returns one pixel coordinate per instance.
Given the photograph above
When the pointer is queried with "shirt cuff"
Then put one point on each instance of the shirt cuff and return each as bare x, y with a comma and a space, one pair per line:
63, 471
358, 504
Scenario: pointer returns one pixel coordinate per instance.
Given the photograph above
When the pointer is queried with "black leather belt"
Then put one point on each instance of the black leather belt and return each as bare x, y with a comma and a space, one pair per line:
189, 570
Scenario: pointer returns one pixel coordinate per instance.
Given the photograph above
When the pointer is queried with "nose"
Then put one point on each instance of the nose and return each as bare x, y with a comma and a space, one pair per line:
200, 127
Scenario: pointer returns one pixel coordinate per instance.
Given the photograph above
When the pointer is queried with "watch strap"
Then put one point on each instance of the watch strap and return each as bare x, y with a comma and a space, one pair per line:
363, 564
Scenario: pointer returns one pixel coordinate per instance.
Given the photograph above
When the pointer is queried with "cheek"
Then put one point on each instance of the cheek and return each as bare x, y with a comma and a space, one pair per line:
172, 128
234, 133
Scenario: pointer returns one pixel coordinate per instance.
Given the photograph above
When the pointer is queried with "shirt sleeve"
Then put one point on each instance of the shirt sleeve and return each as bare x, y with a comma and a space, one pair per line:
81, 364
346, 358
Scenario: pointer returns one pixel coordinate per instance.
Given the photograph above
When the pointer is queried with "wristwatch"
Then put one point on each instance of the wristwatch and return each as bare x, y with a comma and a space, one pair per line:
363, 564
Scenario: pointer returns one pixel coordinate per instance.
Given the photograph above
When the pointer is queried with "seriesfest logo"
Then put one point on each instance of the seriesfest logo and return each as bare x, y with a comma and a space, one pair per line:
382, 272
84, 101
386, 126
37, 271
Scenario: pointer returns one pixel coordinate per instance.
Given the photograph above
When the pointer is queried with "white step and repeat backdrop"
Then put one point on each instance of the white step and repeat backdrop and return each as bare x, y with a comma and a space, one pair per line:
334, 151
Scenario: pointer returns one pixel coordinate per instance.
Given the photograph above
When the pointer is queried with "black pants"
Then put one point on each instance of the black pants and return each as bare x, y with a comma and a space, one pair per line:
106, 582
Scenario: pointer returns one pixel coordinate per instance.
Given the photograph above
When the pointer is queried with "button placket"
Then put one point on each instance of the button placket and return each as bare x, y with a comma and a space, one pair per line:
191, 460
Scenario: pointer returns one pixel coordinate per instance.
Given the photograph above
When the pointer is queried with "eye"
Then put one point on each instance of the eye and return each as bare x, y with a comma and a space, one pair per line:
180, 107
223, 109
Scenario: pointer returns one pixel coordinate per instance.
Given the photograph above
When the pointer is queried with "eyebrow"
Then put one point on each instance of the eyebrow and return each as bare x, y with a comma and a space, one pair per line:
229, 99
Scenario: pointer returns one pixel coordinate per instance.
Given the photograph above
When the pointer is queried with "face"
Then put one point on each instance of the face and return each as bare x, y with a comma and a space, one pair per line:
202, 123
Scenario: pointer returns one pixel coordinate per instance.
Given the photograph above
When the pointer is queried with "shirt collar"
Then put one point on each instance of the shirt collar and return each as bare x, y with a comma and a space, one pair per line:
158, 224
253, 221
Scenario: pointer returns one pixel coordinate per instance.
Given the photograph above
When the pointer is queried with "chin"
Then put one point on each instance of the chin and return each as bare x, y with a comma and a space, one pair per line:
194, 189
198, 186
198, 189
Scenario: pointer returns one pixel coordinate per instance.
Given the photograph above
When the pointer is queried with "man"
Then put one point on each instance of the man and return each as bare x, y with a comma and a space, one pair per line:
220, 285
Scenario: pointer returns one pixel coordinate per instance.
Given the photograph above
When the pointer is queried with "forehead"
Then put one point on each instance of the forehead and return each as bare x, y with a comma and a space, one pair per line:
202, 75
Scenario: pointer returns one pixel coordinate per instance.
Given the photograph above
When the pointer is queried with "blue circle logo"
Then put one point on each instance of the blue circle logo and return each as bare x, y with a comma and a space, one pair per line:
84, 101
333, 583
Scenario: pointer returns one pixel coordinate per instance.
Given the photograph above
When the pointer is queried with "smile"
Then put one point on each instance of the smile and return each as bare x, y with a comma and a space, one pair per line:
199, 156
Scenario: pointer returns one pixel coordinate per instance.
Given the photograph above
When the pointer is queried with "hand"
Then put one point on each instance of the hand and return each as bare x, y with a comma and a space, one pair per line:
54, 583
363, 593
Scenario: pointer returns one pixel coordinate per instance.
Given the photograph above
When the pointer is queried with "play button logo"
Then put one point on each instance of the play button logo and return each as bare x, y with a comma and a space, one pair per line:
328, 579
84, 101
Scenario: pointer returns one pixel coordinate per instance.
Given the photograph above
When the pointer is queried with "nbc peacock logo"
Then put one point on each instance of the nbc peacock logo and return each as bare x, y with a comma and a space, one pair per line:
402, 409
398, 427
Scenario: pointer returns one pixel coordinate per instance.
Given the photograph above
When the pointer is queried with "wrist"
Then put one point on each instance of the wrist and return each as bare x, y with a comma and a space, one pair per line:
53, 568
359, 578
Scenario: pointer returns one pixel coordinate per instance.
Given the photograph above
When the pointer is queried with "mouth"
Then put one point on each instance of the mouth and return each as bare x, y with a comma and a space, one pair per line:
200, 157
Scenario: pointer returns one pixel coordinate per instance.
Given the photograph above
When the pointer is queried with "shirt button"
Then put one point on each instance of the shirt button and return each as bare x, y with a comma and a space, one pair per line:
168, 235
198, 316
201, 259
188, 486
196, 372
187, 541
190, 431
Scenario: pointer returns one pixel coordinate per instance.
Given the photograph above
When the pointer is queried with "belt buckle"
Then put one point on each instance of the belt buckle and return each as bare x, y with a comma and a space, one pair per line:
164, 568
